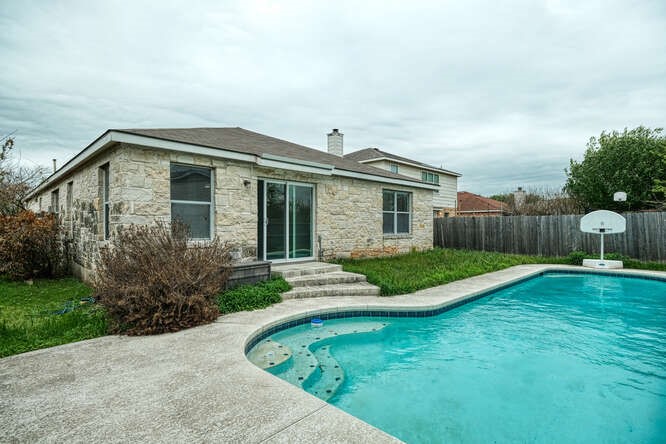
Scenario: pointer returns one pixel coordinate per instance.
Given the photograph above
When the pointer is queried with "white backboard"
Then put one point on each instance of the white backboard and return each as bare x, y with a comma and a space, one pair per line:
620, 196
603, 221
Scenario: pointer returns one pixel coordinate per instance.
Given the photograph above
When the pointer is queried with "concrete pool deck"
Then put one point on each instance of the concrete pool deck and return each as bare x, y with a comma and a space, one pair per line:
197, 385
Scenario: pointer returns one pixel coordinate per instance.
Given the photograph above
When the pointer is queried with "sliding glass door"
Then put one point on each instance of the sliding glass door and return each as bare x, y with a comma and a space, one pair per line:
288, 221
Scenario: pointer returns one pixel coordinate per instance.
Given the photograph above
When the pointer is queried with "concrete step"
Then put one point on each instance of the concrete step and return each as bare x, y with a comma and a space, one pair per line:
304, 269
353, 289
336, 277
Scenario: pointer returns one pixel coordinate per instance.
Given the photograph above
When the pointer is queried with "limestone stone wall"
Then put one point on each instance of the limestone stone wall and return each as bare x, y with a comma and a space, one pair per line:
348, 212
80, 215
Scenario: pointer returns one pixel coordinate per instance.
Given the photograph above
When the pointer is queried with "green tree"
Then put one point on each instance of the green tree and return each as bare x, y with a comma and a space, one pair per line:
633, 161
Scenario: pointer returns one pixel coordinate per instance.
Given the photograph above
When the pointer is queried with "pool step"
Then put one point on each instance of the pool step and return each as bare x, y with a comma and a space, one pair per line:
316, 291
331, 375
269, 354
309, 364
304, 367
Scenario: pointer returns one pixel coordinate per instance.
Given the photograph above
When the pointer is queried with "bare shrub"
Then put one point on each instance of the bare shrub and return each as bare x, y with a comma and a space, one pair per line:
152, 280
30, 246
541, 202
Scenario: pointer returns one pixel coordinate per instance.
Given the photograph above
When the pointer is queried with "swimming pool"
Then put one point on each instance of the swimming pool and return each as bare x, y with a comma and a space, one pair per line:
561, 357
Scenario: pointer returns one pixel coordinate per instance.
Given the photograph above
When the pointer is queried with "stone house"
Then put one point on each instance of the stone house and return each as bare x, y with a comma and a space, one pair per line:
272, 199
444, 198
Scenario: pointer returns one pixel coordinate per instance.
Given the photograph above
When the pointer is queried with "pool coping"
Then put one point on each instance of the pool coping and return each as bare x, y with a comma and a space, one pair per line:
197, 384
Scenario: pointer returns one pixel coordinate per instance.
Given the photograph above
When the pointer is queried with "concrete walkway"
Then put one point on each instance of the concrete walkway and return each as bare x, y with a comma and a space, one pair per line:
195, 385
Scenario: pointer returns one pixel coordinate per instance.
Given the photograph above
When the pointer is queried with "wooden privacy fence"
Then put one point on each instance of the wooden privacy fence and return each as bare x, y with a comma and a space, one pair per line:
645, 238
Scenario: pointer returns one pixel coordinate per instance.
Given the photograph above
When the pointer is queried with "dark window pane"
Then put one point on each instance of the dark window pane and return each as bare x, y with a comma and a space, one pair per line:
276, 228
403, 201
394, 168
300, 210
106, 221
195, 216
403, 223
424, 176
388, 223
388, 204
106, 182
190, 183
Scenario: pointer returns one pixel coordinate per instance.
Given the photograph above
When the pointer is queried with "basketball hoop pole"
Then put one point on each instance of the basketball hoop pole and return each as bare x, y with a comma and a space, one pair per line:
602, 246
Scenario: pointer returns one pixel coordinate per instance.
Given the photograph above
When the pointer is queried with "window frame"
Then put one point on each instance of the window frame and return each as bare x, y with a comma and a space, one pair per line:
210, 203
429, 177
394, 168
106, 201
395, 212
55, 202
69, 197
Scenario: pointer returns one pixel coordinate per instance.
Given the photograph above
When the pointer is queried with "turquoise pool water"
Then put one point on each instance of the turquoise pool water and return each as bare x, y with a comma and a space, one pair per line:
558, 358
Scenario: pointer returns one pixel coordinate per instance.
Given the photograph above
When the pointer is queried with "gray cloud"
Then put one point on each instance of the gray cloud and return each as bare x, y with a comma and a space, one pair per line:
504, 93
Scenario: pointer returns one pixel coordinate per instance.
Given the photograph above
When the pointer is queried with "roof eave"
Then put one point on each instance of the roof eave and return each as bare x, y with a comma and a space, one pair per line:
113, 136
416, 165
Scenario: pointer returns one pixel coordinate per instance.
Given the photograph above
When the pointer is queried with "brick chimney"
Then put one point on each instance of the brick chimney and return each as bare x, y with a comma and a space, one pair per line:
335, 142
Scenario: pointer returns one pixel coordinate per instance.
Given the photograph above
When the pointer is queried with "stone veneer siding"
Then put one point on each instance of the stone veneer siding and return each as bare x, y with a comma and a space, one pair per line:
348, 212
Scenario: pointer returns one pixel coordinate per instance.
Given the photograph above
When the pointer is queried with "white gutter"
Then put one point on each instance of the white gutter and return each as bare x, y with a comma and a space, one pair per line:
288, 163
364, 176
415, 165
266, 160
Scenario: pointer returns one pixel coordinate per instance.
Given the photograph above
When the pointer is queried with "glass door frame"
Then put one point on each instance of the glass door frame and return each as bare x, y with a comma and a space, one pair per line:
287, 232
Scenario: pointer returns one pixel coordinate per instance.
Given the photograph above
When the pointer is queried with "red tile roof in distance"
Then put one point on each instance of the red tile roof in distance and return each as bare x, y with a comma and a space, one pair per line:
473, 202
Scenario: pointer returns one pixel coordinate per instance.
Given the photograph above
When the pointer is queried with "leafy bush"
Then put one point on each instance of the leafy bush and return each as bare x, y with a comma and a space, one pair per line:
576, 257
30, 246
252, 297
152, 280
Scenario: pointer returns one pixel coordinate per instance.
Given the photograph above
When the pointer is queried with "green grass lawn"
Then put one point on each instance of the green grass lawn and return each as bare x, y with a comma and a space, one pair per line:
418, 270
27, 321
423, 269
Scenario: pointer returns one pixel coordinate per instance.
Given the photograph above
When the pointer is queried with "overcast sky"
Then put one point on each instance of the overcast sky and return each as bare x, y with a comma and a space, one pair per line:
503, 92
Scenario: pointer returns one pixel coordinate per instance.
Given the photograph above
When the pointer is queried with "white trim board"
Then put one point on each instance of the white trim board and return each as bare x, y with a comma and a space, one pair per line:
415, 165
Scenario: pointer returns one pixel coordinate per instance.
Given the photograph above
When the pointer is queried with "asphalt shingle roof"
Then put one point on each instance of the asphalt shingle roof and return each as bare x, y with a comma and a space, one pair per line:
376, 153
248, 142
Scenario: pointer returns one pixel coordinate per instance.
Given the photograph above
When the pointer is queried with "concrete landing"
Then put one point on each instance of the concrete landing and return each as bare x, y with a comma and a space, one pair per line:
319, 279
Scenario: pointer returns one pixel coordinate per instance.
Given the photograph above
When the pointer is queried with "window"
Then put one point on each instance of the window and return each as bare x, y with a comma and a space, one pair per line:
396, 212
394, 168
104, 191
68, 206
427, 176
55, 202
68, 198
191, 198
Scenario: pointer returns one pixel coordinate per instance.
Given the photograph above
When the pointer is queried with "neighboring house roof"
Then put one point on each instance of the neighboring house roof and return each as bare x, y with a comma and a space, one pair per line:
473, 203
239, 144
371, 154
